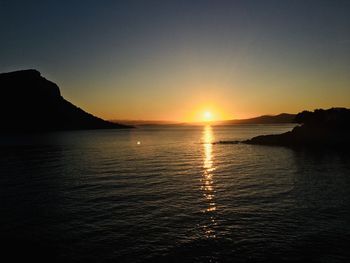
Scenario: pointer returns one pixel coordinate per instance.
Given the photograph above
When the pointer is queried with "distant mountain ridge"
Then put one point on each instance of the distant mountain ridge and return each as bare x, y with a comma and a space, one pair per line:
30, 103
147, 122
265, 119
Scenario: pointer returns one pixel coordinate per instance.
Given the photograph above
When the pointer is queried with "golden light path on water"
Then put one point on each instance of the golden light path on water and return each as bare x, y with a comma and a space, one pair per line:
207, 185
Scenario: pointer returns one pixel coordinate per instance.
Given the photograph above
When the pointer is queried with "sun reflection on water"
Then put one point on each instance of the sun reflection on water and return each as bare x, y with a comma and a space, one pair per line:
207, 185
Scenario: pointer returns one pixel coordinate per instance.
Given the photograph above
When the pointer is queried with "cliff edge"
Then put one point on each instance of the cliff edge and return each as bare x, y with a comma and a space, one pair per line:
31, 103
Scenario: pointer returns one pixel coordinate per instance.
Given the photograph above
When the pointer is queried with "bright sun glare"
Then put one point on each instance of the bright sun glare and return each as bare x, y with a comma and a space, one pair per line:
208, 116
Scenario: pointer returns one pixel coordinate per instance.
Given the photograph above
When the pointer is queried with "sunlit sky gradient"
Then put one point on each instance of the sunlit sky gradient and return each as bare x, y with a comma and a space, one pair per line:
174, 60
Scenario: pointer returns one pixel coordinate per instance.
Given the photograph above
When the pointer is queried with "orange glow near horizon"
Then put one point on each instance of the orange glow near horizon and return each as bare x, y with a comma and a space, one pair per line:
192, 110
206, 113
189, 115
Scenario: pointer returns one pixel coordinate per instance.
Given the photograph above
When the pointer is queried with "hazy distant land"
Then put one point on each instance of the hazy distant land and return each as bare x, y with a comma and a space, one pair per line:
147, 122
265, 119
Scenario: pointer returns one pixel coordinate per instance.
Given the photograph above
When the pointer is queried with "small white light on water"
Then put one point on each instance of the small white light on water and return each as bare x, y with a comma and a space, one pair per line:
138, 142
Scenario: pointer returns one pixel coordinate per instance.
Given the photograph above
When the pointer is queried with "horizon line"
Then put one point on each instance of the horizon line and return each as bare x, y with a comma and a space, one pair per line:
181, 122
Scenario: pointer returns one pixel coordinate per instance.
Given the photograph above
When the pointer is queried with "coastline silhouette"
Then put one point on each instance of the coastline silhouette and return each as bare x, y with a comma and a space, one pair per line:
321, 128
31, 103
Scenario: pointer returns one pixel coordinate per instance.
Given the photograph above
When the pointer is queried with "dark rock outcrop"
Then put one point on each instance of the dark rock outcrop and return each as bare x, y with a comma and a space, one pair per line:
321, 128
31, 103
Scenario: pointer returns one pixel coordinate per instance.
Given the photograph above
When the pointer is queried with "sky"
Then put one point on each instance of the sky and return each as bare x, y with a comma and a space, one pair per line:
175, 60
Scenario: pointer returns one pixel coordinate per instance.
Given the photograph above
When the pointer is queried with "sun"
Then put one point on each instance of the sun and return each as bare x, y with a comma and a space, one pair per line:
207, 116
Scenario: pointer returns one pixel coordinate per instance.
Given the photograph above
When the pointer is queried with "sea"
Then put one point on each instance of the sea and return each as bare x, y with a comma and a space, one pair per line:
171, 194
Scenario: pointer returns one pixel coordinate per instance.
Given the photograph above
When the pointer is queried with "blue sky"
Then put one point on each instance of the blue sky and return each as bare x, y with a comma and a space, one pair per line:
173, 59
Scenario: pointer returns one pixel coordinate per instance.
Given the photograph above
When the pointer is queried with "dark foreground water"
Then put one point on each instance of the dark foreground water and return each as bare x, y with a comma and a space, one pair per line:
173, 197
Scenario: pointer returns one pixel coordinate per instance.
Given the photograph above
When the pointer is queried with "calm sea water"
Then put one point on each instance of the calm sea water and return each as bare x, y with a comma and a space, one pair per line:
173, 197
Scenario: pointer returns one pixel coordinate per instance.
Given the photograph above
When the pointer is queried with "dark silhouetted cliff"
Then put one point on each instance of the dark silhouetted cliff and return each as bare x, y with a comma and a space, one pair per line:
319, 128
32, 103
